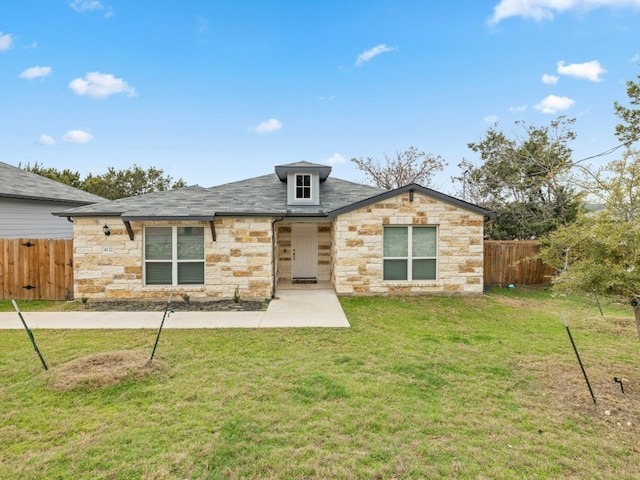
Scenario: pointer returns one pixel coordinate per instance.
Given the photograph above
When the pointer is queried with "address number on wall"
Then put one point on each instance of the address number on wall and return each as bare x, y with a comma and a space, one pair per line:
107, 249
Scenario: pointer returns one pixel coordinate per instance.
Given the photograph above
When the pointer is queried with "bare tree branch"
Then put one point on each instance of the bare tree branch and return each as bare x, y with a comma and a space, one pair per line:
410, 166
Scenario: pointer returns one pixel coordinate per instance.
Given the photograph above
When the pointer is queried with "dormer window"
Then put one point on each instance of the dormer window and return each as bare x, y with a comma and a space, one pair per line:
303, 181
303, 187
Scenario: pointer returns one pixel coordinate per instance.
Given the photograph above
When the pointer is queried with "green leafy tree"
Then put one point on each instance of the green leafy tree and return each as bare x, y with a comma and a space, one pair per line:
114, 183
130, 182
527, 181
629, 131
410, 166
65, 176
616, 186
600, 252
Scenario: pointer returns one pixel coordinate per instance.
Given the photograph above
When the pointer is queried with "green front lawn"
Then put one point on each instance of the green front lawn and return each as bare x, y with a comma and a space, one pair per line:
420, 387
39, 305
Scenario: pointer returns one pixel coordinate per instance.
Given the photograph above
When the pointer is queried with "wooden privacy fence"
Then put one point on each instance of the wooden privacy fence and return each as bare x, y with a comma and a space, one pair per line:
36, 269
505, 264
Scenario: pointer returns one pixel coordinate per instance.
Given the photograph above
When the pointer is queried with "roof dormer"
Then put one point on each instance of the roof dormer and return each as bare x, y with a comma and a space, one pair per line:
303, 181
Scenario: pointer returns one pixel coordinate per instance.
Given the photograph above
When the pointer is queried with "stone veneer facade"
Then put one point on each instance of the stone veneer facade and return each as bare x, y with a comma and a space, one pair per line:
357, 247
111, 267
349, 253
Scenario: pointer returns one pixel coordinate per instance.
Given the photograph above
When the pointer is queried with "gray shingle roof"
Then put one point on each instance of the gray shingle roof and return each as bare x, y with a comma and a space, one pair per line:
265, 195
259, 196
18, 183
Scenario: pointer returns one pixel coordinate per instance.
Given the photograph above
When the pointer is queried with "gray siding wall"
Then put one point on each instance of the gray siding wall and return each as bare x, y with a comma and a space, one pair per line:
33, 219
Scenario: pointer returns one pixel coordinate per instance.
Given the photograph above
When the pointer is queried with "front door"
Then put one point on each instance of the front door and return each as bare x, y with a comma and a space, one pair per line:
304, 251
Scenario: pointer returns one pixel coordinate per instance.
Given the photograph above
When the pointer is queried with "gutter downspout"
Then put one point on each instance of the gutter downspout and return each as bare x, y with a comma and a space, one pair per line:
274, 276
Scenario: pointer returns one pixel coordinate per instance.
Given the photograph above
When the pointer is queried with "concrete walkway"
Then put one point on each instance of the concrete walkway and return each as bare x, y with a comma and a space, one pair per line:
290, 308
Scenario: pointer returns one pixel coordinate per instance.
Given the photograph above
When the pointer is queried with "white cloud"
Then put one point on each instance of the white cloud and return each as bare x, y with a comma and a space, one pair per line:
545, 9
335, 159
491, 119
35, 72
549, 79
268, 126
554, 104
100, 85
83, 6
77, 136
86, 5
6, 41
369, 54
46, 140
636, 58
519, 108
587, 71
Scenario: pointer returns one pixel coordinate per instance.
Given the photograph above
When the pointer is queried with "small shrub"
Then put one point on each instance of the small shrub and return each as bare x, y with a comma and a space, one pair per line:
185, 297
236, 294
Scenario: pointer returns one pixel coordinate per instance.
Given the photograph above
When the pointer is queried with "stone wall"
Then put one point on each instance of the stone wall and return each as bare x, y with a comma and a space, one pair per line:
357, 247
283, 247
112, 267
349, 254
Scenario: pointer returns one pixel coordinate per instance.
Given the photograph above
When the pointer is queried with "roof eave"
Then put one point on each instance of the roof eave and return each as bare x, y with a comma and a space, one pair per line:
167, 218
80, 203
67, 213
416, 188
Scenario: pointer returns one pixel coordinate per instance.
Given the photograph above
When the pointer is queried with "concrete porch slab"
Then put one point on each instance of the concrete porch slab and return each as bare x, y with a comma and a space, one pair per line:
308, 307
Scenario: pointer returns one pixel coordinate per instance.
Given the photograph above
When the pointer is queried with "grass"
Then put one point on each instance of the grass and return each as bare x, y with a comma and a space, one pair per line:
39, 305
419, 387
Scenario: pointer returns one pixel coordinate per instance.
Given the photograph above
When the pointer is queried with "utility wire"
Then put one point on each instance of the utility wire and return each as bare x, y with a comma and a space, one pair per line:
607, 152
576, 162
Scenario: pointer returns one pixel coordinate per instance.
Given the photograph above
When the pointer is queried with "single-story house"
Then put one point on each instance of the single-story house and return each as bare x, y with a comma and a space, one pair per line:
27, 201
297, 225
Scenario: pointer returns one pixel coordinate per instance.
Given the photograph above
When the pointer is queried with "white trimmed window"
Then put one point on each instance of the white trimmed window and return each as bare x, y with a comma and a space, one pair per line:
174, 255
410, 253
303, 187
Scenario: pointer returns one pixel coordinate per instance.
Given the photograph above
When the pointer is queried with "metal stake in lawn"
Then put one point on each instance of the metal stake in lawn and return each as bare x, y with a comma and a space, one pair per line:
30, 333
578, 356
167, 312
598, 302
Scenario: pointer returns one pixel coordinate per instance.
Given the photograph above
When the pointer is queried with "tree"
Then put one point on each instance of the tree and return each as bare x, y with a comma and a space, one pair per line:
600, 252
616, 186
130, 182
65, 176
410, 166
526, 181
115, 183
629, 132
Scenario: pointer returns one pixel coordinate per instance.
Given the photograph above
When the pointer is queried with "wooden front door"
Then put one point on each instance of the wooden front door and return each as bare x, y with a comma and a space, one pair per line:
304, 251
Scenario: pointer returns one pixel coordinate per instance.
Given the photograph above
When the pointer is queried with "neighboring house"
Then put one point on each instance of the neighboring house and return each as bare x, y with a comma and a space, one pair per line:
27, 200
298, 225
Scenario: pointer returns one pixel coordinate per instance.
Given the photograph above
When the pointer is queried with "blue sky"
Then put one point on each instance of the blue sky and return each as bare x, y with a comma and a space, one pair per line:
217, 91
